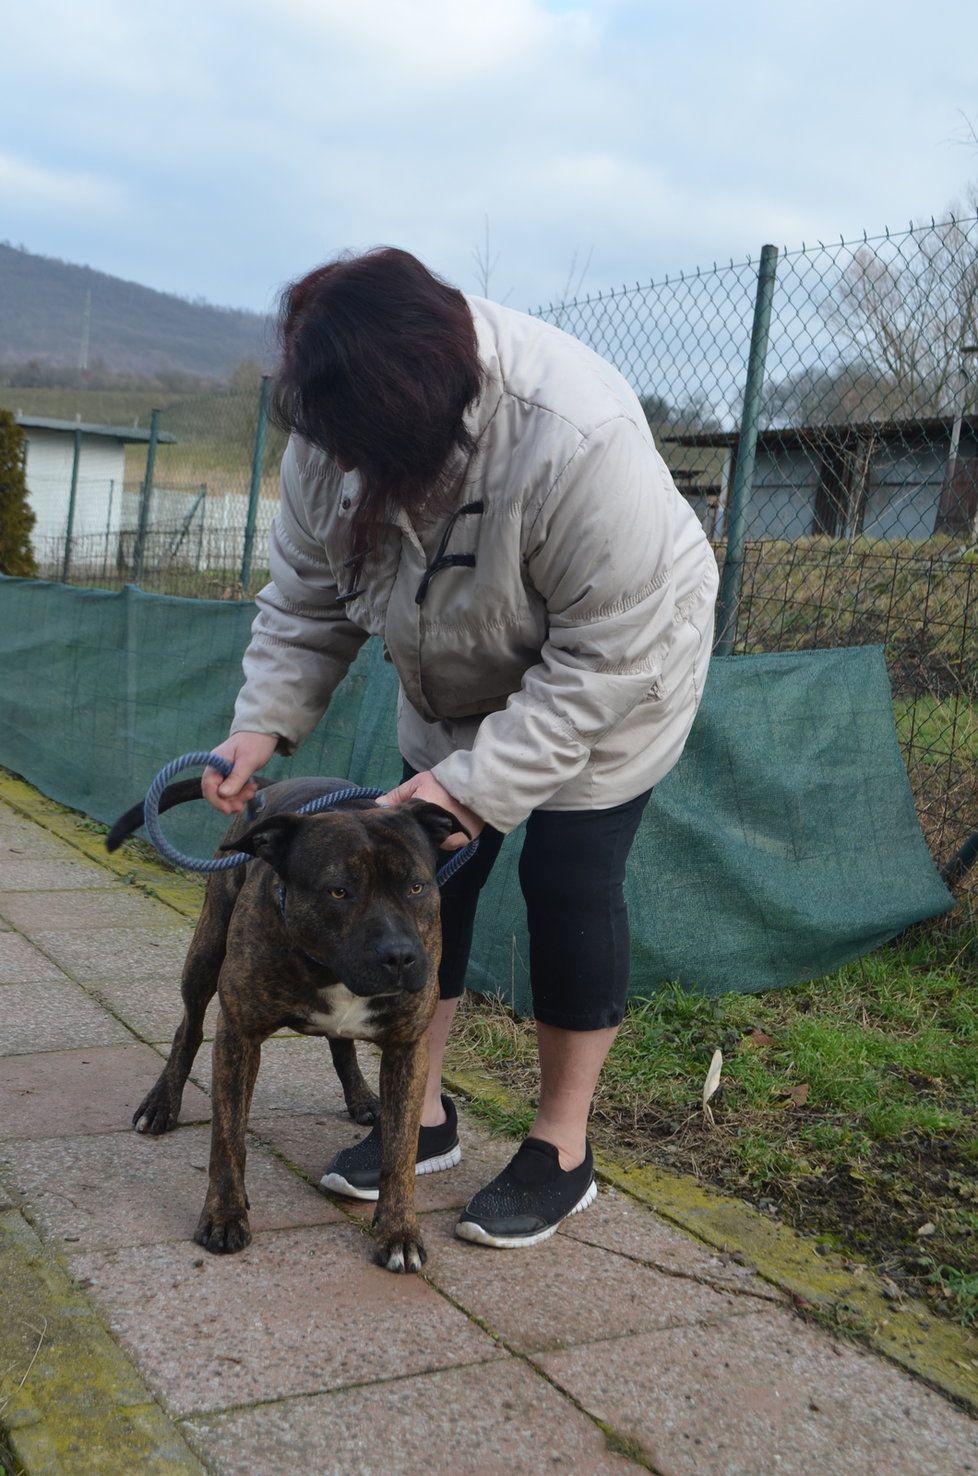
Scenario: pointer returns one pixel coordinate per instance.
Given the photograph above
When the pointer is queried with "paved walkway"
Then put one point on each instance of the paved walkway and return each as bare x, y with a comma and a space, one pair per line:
619, 1345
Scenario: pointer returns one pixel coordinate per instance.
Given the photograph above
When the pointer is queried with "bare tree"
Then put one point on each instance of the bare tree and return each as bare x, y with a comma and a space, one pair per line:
850, 393
903, 310
485, 262
575, 278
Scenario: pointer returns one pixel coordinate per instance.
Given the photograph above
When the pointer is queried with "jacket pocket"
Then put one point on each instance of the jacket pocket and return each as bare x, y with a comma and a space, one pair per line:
680, 663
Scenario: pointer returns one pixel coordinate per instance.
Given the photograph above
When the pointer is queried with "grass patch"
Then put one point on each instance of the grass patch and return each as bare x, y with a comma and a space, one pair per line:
848, 1107
936, 727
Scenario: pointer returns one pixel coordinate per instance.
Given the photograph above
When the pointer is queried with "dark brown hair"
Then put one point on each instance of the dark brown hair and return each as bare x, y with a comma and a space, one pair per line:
379, 362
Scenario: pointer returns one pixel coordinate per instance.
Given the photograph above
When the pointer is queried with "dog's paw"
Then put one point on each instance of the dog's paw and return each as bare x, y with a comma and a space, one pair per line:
157, 1113
223, 1235
364, 1109
401, 1252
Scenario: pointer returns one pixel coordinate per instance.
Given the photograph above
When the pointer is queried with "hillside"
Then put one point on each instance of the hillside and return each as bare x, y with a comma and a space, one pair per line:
132, 329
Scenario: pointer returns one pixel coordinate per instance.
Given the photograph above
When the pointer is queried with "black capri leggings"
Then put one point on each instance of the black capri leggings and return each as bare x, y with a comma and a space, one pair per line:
572, 872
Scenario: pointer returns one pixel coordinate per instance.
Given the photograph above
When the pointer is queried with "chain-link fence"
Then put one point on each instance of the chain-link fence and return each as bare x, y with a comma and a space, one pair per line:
179, 502
817, 409
864, 422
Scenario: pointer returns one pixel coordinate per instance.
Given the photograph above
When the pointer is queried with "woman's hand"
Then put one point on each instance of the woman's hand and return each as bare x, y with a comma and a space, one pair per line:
247, 752
425, 787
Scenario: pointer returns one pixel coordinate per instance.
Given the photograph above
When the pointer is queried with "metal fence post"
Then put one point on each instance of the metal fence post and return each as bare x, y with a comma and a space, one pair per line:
202, 500
736, 527
254, 492
144, 502
72, 496
108, 527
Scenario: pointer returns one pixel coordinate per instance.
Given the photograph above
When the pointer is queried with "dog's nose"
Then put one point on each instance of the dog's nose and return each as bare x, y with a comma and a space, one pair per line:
398, 959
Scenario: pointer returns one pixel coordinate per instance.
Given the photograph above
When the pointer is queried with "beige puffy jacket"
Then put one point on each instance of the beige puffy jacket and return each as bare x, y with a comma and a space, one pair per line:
559, 662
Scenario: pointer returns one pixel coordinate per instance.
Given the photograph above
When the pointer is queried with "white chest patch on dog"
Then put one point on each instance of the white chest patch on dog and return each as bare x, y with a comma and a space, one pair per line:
346, 1015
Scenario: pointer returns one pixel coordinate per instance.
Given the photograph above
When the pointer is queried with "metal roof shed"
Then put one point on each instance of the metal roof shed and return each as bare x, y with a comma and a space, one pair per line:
95, 455
889, 479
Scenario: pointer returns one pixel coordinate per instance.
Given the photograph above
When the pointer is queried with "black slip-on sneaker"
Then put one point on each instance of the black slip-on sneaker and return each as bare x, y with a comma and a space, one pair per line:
527, 1201
355, 1171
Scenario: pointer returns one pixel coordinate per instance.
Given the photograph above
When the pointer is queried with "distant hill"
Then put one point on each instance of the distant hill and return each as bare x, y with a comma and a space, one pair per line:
131, 329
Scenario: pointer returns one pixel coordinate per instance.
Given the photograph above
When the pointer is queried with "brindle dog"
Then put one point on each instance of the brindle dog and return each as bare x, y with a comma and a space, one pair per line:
334, 930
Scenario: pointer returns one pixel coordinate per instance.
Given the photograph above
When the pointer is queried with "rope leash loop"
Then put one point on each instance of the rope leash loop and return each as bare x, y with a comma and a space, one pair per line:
200, 758
463, 854
151, 814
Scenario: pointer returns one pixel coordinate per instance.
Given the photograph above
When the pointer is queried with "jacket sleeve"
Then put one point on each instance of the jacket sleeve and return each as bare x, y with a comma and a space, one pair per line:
302, 643
600, 555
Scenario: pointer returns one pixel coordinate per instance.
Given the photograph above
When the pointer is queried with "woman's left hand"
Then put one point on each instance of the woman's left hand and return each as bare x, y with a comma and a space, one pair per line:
425, 787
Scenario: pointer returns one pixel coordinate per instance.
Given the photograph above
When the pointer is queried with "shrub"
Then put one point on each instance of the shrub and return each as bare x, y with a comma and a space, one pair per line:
16, 517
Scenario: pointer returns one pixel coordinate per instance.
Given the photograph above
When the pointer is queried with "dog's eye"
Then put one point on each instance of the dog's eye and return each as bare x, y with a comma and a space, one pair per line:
415, 889
338, 892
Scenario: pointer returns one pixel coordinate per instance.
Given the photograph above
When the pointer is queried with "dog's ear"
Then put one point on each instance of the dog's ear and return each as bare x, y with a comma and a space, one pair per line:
437, 823
270, 839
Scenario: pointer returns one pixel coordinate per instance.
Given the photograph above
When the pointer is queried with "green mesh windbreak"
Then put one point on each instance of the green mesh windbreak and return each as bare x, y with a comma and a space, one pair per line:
784, 844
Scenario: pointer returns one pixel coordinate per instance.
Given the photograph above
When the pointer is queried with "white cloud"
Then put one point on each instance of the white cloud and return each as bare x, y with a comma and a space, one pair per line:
27, 185
437, 42
249, 141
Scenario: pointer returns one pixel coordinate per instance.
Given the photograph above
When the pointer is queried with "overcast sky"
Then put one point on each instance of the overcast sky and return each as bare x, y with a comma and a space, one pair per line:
216, 149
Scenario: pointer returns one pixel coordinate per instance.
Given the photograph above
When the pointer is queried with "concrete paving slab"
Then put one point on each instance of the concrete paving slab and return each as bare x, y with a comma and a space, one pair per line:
620, 1224
72, 1401
296, 1076
22, 963
98, 907
53, 1017
310, 1141
152, 1007
298, 1312
105, 954
104, 1193
12, 827
23, 874
766, 1394
494, 1419
652, 1333
561, 1292
11, 819
92, 1090
30, 842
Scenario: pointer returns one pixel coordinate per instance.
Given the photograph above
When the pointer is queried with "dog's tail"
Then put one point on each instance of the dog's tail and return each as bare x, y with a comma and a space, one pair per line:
174, 794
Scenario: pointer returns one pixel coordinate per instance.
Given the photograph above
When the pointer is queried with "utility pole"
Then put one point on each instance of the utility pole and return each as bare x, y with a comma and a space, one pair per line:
86, 332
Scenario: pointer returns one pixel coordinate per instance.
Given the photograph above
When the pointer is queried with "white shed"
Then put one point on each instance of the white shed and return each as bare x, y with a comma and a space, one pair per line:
49, 465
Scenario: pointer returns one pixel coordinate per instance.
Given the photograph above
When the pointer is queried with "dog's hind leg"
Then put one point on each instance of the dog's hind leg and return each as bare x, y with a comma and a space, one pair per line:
362, 1104
160, 1108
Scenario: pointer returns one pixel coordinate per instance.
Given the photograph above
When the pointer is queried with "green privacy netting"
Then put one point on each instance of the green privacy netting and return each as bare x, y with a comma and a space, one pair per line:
784, 844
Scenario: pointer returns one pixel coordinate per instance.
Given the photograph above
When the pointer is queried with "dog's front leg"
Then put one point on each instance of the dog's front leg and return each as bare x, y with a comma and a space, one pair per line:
223, 1223
403, 1069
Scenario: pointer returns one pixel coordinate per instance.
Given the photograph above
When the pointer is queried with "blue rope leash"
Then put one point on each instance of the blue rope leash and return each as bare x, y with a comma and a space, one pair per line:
151, 812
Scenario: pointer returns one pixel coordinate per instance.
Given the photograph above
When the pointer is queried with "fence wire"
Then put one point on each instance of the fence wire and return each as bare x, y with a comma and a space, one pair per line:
859, 521
861, 516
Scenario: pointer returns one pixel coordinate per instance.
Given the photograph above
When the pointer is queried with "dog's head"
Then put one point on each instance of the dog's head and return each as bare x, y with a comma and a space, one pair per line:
359, 889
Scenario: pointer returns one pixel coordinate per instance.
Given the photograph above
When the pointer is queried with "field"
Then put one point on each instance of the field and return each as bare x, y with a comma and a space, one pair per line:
214, 430
102, 407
